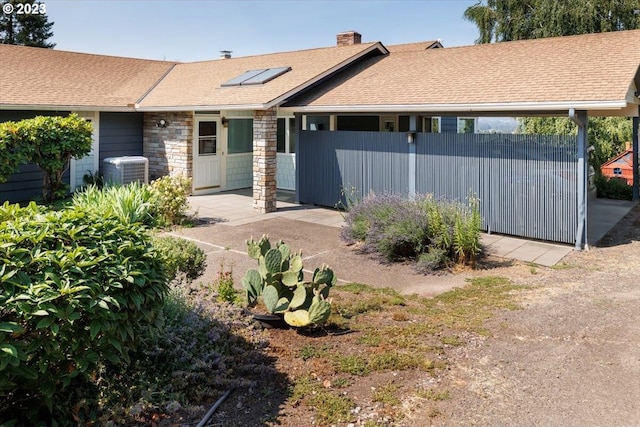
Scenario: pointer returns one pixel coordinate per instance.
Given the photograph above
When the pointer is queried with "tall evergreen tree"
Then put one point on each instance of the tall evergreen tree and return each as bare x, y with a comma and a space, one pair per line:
507, 20
27, 29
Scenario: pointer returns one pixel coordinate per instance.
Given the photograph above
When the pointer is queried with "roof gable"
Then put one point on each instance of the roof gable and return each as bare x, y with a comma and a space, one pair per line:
623, 158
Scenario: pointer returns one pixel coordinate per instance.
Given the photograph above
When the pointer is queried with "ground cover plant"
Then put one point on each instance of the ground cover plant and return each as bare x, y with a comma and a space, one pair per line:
434, 232
379, 359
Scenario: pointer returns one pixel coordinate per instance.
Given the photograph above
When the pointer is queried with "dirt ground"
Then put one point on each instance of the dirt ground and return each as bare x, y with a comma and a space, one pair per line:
569, 356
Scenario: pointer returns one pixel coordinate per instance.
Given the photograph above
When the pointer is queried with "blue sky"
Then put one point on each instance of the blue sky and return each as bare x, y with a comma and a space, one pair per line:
198, 30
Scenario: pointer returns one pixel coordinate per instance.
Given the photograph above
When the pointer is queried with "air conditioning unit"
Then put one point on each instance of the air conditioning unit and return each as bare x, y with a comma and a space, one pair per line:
124, 170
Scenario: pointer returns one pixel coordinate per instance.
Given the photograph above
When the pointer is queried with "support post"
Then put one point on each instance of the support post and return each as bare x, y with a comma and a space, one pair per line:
265, 128
412, 158
634, 154
580, 118
297, 155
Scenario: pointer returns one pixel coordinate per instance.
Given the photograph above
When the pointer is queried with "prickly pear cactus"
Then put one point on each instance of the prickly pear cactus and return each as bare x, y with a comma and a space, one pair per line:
279, 280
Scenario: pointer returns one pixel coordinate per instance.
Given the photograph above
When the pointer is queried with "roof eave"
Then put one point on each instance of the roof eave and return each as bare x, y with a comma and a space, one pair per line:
507, 107
51, 107
151, 109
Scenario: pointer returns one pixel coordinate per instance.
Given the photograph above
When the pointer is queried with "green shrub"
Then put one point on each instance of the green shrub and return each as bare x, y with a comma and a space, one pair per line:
170, 195
612, 188
435, 232
131, 203
224, 285
48, 141
181, 256
76, 290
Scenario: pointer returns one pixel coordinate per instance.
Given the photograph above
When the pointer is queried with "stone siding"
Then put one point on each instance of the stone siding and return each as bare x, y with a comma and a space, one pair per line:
265, 128
169, 149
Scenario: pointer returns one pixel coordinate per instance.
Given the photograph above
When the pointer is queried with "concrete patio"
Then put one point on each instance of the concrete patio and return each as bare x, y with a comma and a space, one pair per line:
235, 208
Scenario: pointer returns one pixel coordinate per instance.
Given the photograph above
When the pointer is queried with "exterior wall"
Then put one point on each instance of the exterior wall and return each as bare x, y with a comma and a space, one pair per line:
120, 135
449, 124
624, 164
239, 168
286, 171
169, 149
26, 184
265, 128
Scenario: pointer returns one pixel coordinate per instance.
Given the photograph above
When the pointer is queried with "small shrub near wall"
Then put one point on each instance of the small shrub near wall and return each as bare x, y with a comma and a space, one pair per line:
77, 289
613, 188
435, 233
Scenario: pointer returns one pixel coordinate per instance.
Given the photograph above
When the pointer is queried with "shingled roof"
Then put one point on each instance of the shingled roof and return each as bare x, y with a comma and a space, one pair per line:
594, 72
198, 86
43, 78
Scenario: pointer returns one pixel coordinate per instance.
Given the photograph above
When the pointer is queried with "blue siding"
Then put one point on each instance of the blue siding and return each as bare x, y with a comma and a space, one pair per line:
449, 124
26, 184
120, 135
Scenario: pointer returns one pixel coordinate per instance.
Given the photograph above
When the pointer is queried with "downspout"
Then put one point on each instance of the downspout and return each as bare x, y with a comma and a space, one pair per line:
411, 139
581, 120
634, 154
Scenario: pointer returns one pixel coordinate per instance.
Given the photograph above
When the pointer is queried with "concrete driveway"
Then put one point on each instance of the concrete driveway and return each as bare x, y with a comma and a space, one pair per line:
228, 220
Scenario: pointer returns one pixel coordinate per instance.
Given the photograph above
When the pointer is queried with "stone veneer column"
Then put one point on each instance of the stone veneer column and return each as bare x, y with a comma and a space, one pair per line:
169, 149
265, 128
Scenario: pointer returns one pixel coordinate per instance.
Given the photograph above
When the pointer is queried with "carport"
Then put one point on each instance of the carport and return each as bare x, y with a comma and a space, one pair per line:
576, 77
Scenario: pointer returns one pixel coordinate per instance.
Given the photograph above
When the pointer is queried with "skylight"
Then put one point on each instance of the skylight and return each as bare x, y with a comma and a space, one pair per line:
256, 77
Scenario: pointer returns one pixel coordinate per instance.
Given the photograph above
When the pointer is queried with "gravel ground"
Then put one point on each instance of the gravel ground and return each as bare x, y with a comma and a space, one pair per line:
571, 356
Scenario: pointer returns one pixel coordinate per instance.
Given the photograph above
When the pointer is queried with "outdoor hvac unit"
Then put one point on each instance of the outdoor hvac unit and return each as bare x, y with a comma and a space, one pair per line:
124, 170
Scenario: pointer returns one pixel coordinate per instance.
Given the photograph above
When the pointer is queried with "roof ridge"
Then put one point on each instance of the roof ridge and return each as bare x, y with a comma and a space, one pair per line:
364, 45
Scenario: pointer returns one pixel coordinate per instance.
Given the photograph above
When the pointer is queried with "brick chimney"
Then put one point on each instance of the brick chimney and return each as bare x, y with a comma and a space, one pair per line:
348, 38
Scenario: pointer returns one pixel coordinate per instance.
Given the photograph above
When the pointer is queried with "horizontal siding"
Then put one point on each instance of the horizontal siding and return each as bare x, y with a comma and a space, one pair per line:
26, 184
120, 135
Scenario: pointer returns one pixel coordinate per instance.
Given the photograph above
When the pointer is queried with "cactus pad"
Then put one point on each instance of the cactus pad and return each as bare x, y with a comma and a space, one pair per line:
289, 278
270, 298
298, 318
319, 311
295, 263
299, 297
273, 261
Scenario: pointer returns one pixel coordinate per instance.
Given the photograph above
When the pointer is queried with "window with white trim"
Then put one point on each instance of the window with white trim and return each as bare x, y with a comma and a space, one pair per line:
466, 125
431, 124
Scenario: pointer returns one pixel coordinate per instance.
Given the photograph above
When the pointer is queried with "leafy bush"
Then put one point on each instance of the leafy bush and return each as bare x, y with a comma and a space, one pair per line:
76, 290
436, 232
49, 142
131, 204
612, 188
170, 195
181, 256
13, 150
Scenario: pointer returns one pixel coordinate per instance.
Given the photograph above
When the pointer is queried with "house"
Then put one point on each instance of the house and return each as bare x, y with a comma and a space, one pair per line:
620, 167
252, 121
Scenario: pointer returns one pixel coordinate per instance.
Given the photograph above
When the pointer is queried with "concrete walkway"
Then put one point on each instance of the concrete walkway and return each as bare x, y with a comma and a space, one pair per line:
236, 208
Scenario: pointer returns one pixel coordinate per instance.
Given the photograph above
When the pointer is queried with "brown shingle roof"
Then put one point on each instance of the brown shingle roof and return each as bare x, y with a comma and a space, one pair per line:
198, 85
37, 77
593, 68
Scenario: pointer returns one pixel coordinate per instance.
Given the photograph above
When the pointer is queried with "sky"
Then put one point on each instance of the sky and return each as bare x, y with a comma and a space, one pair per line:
189, 31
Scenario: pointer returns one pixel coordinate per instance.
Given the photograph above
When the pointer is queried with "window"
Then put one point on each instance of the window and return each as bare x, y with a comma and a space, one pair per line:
431, 125
256, 77
317, 122
287, 135
207, 138
388, 124
617, 171
358, 123
466, 125
240, 136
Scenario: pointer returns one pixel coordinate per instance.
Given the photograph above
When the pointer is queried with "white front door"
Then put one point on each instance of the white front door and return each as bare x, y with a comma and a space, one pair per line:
207, 154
